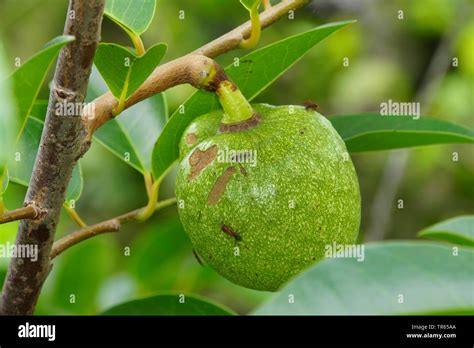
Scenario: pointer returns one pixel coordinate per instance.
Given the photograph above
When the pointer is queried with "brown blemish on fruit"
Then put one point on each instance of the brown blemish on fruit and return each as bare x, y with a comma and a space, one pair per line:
191, 138
200, 160
302, 130
220, 185
241, 126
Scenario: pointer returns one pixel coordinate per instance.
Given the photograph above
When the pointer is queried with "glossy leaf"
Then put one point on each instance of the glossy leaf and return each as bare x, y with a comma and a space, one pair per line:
458, 230
373, 132
131, 136
29, 77
23, 86
168, 305
132, 15
122, 70
394, 278
255, 72
21, 167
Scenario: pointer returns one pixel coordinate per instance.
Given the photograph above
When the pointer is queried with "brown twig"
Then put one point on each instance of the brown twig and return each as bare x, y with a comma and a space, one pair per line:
28, 212
111, 225
83, 234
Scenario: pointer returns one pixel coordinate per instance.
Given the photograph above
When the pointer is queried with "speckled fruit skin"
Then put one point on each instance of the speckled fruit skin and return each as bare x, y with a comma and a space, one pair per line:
302, 195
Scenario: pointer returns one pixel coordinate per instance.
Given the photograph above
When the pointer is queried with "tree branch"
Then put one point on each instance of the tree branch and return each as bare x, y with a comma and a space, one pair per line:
111, 225
182, 70
29, 212
58, 153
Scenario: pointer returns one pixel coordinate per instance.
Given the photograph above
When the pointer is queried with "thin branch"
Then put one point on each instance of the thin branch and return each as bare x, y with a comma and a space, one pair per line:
111, 225
28, 212
83, 234
182, 70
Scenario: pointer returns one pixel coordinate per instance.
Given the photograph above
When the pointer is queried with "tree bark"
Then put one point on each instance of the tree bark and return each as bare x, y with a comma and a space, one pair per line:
57, 155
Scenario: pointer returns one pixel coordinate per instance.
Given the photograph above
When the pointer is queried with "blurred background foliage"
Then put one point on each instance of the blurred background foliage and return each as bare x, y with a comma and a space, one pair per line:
389, 58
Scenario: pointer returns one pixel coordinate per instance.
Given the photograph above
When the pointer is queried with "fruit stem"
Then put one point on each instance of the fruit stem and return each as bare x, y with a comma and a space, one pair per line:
236, 107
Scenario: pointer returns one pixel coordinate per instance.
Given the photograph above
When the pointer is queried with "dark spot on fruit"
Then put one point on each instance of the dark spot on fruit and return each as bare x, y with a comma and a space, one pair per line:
302, 130
191, 138
227, 230
200, 160
220, 185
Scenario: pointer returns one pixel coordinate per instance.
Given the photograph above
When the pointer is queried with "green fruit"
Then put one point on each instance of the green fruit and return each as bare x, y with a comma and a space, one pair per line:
261, 218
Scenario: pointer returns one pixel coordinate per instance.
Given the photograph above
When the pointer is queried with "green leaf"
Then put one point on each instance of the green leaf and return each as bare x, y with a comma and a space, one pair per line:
9, 124
23, 84
21, 167
123, 70
373, 132
132, 15
168, 305
249, 4
255, 72
131, 135
5, 180
29, 77
40, 109
458, 230
430, 277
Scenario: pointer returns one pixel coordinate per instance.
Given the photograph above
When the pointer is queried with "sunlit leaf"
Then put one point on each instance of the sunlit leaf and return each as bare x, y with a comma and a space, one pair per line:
132, 15
123, 70
29, 77
131, 135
